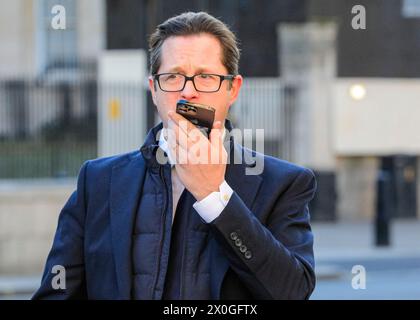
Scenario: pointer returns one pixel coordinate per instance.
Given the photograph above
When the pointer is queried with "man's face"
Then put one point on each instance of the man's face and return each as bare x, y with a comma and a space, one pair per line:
191, 55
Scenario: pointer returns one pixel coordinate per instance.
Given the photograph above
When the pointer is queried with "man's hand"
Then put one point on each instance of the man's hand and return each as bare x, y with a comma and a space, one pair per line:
200, 162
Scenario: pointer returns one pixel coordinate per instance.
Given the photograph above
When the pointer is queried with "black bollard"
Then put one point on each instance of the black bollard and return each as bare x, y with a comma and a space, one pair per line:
383, 208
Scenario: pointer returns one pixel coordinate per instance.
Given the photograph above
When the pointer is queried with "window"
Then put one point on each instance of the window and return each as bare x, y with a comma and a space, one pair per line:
56, 48
410, 9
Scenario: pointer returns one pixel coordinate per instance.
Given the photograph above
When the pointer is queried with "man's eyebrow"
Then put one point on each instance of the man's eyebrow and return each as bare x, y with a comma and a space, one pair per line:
179, 69
176, 69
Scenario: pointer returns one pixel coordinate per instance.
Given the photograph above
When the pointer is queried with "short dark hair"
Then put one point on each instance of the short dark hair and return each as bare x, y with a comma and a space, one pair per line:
191, 23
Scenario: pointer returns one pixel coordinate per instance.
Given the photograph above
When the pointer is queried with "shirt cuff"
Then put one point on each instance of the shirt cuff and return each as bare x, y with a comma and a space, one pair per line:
212, 206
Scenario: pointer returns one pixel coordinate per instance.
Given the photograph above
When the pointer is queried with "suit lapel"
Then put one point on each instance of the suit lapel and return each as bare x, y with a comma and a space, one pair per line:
246, 186
126, 182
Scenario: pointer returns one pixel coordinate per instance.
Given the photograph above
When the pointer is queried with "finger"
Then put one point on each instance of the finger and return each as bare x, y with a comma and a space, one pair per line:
190, 152
180, 145
179, 137
177, 150
216, 132
190, 129
181, 155
176, 136
180, 121
185, 139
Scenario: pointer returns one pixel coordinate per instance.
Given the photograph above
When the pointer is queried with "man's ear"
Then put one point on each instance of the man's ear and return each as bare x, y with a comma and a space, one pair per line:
152, 87
235, 87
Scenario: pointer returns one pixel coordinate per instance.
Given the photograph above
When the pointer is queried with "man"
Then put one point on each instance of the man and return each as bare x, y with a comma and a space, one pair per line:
137, 228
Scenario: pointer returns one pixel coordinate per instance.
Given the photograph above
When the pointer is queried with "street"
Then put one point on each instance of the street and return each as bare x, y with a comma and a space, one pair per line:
386, 278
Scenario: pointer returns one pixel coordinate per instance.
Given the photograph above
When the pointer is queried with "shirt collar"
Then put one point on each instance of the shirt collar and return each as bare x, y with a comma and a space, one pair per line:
163, 144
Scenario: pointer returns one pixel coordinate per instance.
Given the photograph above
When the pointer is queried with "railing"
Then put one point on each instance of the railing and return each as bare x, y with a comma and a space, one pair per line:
269, 104
48, 129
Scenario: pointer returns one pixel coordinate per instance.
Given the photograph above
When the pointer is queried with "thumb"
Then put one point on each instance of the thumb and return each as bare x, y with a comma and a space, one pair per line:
216, 131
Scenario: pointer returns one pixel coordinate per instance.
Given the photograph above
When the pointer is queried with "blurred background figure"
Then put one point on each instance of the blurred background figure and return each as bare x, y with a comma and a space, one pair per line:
334, 89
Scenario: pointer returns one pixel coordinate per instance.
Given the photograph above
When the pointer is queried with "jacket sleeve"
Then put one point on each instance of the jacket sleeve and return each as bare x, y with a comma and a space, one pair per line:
67, 250
274, 259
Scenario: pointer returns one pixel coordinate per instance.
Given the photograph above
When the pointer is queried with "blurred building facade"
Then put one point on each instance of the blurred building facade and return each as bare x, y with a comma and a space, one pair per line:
48, 87
301, 59
30, 46
343, 102
314, 63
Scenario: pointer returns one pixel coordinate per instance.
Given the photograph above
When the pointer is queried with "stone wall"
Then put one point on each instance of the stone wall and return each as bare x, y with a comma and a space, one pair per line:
356, 188
28, 220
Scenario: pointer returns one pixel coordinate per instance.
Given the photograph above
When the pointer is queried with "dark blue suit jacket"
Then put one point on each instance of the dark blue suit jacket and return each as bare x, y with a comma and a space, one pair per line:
267, 212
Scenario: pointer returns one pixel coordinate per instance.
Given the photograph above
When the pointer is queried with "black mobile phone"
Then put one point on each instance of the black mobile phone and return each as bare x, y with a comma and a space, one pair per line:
198, 114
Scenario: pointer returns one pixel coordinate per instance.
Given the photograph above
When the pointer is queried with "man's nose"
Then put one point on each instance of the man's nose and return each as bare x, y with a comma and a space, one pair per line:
189, 91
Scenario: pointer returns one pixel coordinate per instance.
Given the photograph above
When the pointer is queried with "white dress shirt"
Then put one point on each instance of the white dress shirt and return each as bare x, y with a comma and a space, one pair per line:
208, 208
